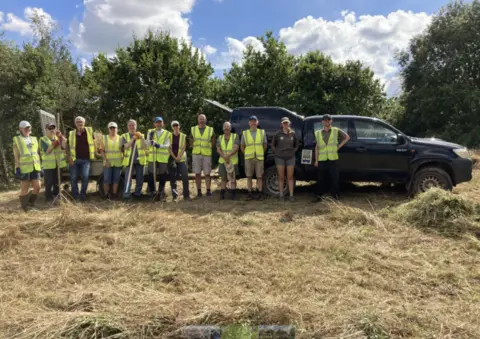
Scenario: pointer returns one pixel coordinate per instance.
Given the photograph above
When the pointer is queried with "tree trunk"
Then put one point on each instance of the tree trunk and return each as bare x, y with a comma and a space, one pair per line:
3, 165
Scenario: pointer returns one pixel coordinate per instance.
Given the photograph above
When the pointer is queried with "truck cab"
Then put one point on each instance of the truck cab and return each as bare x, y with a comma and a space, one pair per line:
376, 152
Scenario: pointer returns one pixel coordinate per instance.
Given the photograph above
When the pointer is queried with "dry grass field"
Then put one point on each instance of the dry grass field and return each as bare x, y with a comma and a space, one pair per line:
375, 265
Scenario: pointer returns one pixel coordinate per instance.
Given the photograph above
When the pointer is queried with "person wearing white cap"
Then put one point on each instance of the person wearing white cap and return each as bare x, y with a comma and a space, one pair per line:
227, 148
178, 148
27, 165
111, 151
52, 150
82, 150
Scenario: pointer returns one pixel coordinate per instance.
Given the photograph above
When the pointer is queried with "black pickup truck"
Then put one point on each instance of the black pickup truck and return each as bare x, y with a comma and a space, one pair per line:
376, 152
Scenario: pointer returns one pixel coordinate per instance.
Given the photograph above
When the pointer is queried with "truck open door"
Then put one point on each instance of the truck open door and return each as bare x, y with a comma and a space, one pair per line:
219, 105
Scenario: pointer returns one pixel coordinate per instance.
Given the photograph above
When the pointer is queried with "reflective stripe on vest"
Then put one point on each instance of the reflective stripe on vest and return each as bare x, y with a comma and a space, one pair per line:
327, 151
254, 148
72, 140
49, 161
161, 154
142, 155
181, 143
228, 148
29, 159
202, 143
112, 151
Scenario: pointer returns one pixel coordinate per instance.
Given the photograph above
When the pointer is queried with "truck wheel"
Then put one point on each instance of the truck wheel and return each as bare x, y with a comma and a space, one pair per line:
430, 177
270, 182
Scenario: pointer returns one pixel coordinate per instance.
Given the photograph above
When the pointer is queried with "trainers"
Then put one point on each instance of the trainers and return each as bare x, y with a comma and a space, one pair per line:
174, 199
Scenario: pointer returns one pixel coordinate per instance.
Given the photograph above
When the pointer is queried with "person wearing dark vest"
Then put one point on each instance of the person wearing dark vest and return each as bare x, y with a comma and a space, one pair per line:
158, 156
202, 139
111, 151
133, 139
178, 149
82, 151
52, 151
285, 145
326, 156
27, 165
227, 148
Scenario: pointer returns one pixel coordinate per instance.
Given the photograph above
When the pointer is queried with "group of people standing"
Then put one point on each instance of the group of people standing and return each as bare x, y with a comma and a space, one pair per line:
162, 154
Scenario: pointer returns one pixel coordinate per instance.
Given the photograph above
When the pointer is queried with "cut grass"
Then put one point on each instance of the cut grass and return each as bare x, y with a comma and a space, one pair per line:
335, 270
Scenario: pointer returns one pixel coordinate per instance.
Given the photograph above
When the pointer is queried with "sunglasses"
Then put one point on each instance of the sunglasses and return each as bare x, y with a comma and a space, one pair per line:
175, 125
51, 128
113, 127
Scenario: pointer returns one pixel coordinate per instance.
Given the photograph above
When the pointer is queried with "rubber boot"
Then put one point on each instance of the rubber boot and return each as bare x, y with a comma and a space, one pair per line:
32, 200
24, 202
234, 194
222, 194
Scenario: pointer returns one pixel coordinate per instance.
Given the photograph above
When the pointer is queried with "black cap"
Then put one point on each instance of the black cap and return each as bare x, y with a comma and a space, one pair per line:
326, 117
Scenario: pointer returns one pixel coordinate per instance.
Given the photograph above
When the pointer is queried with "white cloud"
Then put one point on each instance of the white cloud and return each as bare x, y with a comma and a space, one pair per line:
209, 50
1, 17
107, 24
374, 40
23, 26
234, 52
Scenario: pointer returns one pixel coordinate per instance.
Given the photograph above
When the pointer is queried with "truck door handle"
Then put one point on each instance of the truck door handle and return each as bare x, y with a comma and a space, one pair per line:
361, 149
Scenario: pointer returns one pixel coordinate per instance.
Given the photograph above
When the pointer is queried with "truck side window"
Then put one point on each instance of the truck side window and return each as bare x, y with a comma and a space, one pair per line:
341, 124
374, 133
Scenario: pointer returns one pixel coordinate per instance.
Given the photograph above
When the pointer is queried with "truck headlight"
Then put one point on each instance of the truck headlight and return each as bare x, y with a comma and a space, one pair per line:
462, 153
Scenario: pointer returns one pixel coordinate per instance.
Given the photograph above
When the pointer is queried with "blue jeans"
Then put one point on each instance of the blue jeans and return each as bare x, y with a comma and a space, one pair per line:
80, 167
138, 169
111, 175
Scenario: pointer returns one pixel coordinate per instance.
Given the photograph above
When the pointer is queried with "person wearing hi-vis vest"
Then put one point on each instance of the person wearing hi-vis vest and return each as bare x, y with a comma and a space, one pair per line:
158, 156
326, 156
27, 165
52, 151
227, 149
111, 151
130, 140
82, 150
178, 149
254, 145
202, 139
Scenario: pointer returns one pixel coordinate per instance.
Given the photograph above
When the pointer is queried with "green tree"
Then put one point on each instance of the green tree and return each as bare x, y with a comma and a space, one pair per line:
441, 75
154, 75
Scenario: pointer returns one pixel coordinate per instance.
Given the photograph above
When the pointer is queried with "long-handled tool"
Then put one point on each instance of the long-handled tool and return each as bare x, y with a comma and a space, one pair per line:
127, 186
155, 193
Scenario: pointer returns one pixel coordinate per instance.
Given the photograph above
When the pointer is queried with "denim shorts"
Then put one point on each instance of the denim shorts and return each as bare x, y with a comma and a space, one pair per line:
285, 162
111, 175
35, 175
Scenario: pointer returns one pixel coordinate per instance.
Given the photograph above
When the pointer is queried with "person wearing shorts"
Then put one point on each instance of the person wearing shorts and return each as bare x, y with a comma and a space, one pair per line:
202, 139
27, 165
254, 145
284, 146
227, 149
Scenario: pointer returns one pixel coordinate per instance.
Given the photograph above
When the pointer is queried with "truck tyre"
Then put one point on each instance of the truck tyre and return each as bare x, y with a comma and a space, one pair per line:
270, 182
101, 192
429, 177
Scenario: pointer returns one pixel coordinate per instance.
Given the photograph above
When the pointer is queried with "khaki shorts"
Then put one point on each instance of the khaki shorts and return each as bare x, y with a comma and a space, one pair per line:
254, 166
201, 162
222, 171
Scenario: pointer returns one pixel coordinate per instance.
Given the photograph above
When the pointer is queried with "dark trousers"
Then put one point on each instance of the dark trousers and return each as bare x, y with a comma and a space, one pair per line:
175, 170
50, 178
328, 174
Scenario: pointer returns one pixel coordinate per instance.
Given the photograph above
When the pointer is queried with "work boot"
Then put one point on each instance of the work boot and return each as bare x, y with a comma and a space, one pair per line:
32, 199
222, 194
24, 202
250, 196
261, 196
234, 194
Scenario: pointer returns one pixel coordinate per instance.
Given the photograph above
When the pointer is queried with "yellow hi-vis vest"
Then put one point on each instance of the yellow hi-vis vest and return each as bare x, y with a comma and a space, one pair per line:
142, 155
29, 159
72, 140
202, 143
49, 161
254, 148
327, 151
227, 147
181, 143
162, 154
113, 151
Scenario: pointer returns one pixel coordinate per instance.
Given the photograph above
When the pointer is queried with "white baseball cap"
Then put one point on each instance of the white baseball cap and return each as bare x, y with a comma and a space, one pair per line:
24, 124
175, 122
79, 118
112, 124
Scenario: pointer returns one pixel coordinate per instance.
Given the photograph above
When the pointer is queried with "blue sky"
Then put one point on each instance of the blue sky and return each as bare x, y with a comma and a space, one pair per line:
369, 30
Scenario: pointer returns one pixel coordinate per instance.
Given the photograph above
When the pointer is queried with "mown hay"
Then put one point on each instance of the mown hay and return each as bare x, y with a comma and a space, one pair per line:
439, 210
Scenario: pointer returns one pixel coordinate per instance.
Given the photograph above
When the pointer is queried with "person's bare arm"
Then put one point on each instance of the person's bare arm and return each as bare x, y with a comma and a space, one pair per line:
191, 141
16, 156
214, 141
346, 137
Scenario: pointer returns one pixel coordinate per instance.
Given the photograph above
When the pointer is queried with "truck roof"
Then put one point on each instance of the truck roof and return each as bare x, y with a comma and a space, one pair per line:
359, 117
256, 108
